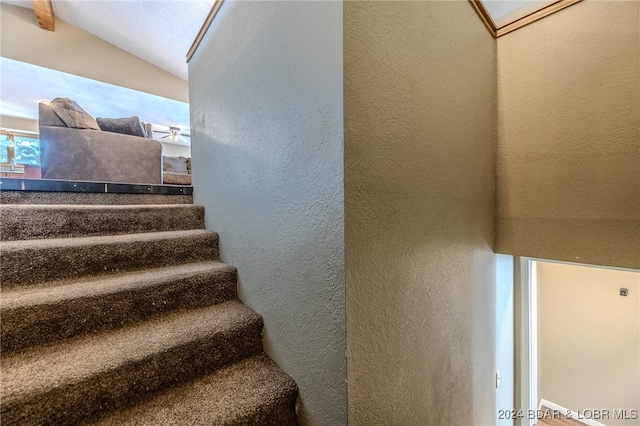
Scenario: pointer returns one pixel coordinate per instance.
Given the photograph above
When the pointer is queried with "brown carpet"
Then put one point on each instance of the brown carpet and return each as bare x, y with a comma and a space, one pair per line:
136, 323
254, 388
21, 222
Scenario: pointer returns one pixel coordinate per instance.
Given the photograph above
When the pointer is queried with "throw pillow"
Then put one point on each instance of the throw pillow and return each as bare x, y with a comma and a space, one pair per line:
148, 129
127, 126
72, 114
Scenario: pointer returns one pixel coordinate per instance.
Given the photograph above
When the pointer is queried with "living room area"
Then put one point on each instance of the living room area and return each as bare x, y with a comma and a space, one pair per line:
85, 101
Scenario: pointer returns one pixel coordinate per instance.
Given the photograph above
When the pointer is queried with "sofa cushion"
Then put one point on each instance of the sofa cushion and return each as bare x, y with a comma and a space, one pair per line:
128, 126
176, 178
72, 114
176, 164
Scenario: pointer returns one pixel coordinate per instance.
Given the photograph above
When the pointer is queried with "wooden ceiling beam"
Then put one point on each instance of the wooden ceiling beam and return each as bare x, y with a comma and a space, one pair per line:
44, 14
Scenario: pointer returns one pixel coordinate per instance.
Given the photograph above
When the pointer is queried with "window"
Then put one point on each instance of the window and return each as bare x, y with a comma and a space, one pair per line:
26, 145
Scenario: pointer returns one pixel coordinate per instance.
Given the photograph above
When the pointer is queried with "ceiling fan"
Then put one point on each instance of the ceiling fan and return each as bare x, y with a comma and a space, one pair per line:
174, 135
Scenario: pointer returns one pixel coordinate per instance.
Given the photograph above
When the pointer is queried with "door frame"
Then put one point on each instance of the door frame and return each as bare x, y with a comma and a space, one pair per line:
526, 337
525, 340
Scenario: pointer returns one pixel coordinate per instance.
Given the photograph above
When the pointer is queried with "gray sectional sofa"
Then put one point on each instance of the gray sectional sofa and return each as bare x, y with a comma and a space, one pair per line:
72, 147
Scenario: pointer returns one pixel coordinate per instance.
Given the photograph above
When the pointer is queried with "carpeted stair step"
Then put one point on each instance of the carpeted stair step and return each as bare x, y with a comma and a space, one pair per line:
72, 382
32, 221
33, 316
102, 198
253, 392
31, 262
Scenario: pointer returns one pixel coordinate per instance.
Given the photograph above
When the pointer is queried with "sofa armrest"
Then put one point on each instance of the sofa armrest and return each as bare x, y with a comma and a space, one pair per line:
93, 155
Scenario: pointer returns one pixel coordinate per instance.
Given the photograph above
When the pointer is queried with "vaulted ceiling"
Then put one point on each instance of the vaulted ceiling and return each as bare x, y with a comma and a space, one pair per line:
157, 31
162, 31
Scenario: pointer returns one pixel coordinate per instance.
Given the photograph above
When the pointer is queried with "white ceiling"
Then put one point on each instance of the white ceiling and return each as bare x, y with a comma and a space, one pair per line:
157, 31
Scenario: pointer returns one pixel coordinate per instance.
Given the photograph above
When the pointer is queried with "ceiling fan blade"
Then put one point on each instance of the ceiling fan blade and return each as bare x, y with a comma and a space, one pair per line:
164, 131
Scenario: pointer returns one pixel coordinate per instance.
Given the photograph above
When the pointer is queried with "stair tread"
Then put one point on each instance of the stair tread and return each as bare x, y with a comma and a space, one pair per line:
37, 370
125, 314
228, 396
43, 221
43, 196
41, 244
42, 261
58, 292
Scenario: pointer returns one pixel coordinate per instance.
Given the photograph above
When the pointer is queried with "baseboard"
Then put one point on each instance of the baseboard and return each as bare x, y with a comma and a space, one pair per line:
574, 415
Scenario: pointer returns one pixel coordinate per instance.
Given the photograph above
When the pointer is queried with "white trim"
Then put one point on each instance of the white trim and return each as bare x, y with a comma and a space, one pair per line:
533, 329
564, 411
525, 339
205, 27
586, 265
532, 17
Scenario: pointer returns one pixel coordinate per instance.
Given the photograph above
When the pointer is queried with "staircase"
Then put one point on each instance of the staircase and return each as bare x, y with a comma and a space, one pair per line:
124, 315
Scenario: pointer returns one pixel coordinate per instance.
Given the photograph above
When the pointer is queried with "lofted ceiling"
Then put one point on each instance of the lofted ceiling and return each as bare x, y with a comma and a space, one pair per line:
157, 31
161, 32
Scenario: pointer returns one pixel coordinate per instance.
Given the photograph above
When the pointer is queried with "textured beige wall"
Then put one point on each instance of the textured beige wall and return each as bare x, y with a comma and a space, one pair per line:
569, 136
589, 339
74, 51
419, 101
16, 123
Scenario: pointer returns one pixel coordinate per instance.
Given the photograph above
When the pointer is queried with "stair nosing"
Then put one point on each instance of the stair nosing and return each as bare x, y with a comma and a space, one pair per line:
66, 290
45, 243
99, 206
256, 365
